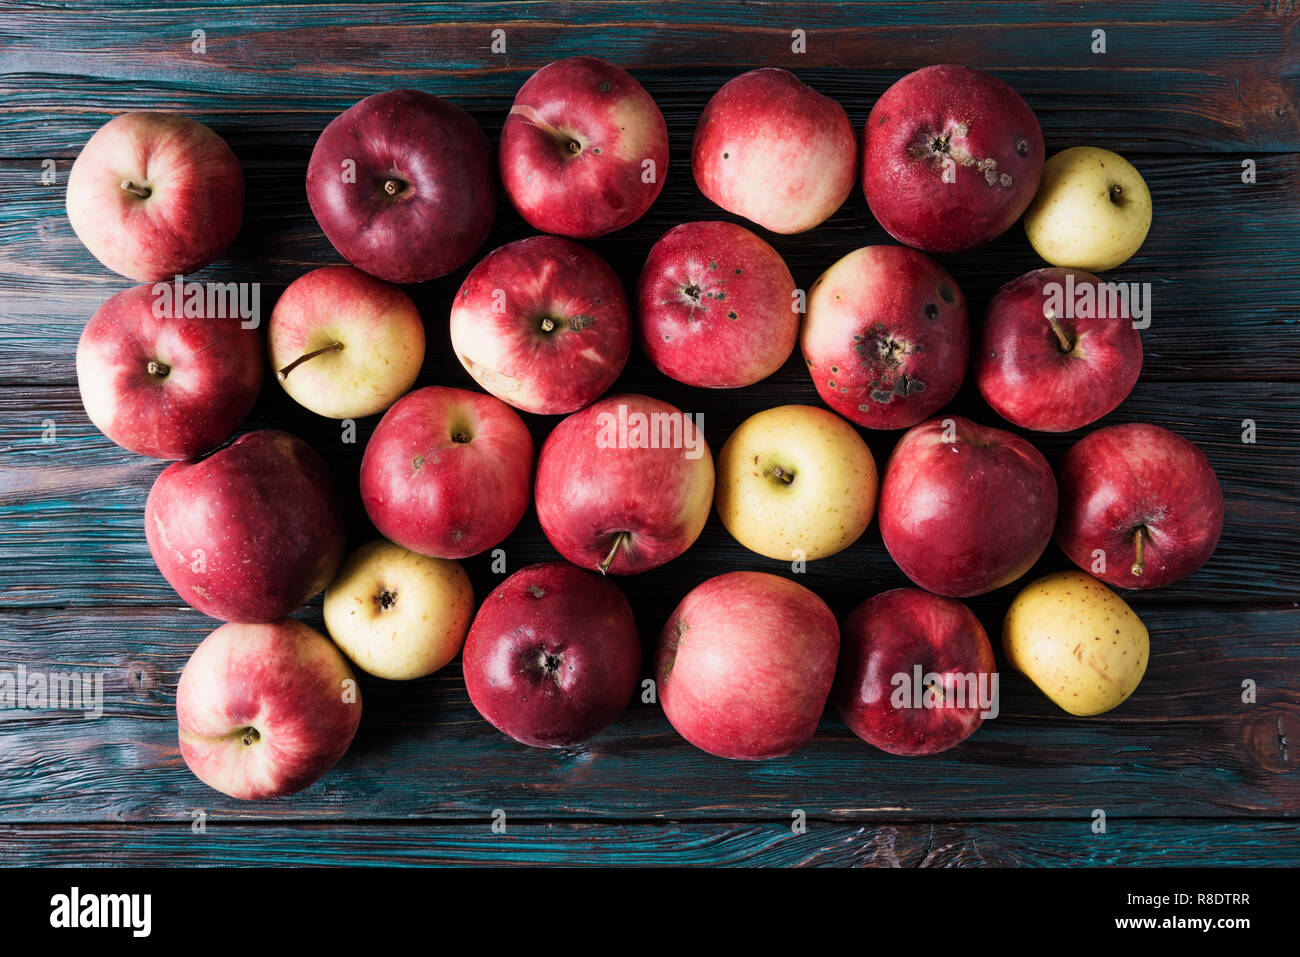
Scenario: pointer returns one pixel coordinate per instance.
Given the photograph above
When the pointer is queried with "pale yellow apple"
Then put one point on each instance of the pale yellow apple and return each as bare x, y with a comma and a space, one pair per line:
398, 614
1092, 210
1077, 640
796, 481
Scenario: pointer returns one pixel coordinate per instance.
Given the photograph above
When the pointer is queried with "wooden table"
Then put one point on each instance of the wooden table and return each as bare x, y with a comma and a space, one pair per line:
1186, 771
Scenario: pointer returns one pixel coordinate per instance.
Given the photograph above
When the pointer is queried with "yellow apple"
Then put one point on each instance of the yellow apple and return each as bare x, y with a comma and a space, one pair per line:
1077, 640
1092, 210
796, 482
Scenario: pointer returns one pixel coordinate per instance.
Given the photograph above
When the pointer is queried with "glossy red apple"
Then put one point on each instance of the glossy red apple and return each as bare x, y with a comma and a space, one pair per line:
553, 655
950, 159
1141, 506
965, 508
250, 532
584, 150
401, 183
447, 472
745, 664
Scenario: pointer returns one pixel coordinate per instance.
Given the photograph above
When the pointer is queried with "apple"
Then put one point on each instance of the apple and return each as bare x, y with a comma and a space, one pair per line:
624, 485
250, 532
553, 655
401, 184
716, 306
745, 664
950, 158
796, 482
542, 323
1141, 506
584, 150
154, 195
397, 614
447, 472
1054, 369
965, 508
163, 386
345, 344
886, 337
772, 149
1092, 210
265, 709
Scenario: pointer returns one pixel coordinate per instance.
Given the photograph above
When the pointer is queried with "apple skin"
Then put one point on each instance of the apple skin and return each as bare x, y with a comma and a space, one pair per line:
377, 325
438, 495
213, 373
265, 709
615, 125
195, 201
887, 337
264, 517
1030, 379
772, 149
1122, 478
891, 634
621, 510
438, 161
962, 518
553, 655
543, 324
745, 664
954, 120
716, 306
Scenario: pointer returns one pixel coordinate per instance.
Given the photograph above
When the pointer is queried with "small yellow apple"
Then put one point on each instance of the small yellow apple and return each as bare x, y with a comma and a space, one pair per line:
1092, 210
1077, 640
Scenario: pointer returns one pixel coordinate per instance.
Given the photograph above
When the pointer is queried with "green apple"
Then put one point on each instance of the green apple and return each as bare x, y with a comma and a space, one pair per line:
796, 482
1092, 210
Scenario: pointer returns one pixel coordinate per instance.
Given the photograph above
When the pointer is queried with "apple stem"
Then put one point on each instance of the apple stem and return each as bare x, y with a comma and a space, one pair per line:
1066, 344
1116, 193
158, 368
460, 438
249, 737
141, 191
393, 186
619, 541
782, 475
1139, 537
548, 324
574, 146
332, 347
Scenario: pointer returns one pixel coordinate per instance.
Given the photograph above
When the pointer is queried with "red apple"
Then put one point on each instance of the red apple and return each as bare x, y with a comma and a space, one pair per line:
950, 158
965, 508
153, 195
916, 673
716, 306
265, 709
552, 656
886, 337
1140, 506
772, 149
584, 150
542, 323
447, 472
250, 532
745, 664
625, 485
166, 387
402, 185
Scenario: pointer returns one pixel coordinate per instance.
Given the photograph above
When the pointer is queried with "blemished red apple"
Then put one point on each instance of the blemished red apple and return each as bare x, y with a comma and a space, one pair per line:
772, 149
887, 337
965, 508
250, 532
716, 306
1056, 351
447, 472
916, 673
154, 195
584, 150
553, 655
745, 664
265, 709
625, 485
402, 185
542, 323
951, 157
1141, 506
169, 388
